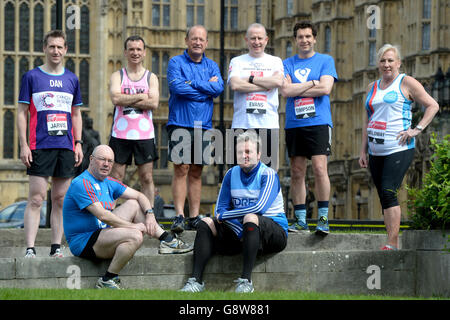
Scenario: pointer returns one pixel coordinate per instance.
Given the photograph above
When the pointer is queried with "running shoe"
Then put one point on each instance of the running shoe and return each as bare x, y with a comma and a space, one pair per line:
178, 224
192, 222
298, 227
113, 283
322, 226
58, 254
174, 246
388, 247
244, 286
193, 286
30, 254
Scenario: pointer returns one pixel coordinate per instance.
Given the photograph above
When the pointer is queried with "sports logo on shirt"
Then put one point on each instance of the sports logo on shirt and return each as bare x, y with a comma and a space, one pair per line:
302, 74
46, 100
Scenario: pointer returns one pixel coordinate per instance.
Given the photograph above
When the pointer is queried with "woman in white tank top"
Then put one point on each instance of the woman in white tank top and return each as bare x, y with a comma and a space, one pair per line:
389, 133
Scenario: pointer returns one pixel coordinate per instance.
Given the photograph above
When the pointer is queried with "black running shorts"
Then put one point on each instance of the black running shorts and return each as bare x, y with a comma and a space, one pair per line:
144, 151
308, 141
58, 163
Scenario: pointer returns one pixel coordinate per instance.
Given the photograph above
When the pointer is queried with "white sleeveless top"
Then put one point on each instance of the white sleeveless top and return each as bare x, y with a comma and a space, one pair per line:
389, 112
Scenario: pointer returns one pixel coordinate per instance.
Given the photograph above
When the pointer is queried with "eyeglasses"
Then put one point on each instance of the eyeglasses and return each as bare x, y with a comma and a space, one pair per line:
102, 159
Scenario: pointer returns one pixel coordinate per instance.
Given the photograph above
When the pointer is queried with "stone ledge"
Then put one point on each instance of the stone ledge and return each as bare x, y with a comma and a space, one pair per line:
323, 271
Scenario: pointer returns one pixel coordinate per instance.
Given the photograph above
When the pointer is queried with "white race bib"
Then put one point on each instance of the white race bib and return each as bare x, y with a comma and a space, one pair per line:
304, 108
256, 103
57, 124
376, 131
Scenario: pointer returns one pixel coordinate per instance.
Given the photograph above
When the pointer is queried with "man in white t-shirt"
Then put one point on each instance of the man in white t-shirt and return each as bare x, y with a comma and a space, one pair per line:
255, 78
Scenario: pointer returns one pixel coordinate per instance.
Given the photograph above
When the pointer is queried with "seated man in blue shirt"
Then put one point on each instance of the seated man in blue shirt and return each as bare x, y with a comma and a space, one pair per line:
249, 216
94, 229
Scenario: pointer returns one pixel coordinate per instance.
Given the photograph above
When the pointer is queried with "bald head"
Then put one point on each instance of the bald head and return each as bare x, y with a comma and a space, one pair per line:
101, 162
103, 149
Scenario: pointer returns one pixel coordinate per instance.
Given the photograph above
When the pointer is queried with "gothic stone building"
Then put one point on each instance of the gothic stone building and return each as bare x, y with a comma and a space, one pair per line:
349, 30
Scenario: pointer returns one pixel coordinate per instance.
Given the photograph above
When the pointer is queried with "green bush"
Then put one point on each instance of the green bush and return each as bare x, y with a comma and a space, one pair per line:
429, 207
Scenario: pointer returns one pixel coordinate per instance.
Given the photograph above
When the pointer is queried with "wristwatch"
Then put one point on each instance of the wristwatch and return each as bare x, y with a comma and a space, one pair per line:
148, 211
250, 79
79, 141
420, 128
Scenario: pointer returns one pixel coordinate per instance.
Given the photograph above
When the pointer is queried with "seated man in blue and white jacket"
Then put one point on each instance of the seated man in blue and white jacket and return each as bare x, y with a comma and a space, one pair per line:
249, 216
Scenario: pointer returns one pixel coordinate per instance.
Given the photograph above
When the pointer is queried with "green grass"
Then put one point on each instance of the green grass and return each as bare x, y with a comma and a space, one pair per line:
93, 294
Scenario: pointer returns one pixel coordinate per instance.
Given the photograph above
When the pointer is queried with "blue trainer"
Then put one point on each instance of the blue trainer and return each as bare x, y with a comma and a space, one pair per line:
322, 226
299, 226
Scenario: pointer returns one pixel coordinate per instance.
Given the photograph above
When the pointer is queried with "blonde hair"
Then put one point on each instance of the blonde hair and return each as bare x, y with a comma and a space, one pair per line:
388, 47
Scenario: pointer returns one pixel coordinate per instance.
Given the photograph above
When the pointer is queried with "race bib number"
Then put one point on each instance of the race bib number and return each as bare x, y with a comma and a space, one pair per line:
376, 131
304, 108
57, 124
256, 103
130, 111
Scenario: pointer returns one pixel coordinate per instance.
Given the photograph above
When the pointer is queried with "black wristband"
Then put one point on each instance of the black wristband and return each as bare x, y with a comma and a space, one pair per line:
250, 79
79, 141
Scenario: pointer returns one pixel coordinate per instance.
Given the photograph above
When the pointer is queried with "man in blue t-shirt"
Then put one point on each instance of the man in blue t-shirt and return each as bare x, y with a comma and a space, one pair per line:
249, 216
309, 79
95, 229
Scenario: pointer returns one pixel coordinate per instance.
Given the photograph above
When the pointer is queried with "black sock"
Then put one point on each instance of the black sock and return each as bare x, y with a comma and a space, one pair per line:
108, 275
167, 237
250, 248
203, 250
53, 248
32, 248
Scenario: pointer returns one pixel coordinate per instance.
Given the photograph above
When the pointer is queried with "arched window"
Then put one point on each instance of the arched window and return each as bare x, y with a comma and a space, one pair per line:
288, 49
37, 62
426, 9
84, 31
84, 81
70, 40
23, 67
70, 65
165, 87
9, 24
258, 11
53, 17
38, 28
289, 7
327, 39
24, 34
8, 135
195, 12
8, 86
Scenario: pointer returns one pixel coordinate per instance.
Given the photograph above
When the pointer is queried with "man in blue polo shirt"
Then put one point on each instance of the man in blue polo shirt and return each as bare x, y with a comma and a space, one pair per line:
96, 229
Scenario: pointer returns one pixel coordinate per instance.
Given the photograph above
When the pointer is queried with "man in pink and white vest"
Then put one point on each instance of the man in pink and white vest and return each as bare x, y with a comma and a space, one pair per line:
134, 91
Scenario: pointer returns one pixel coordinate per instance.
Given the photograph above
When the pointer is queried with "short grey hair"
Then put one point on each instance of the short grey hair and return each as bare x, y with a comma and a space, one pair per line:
250, 135
196, 26
388, 47
256, 26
